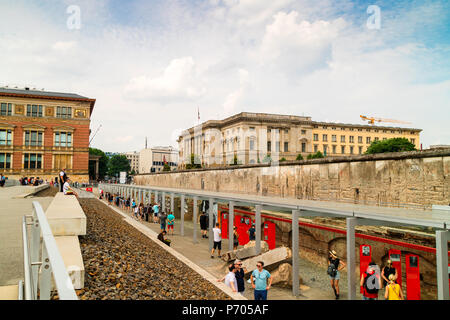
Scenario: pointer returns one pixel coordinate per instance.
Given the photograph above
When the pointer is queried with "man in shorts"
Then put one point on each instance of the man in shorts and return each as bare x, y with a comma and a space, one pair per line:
217, 240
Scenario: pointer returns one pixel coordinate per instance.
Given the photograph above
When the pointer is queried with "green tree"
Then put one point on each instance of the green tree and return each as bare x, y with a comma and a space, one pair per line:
299, 157
118, 163
282, 159
316, 155
390, 145
267, 158
194, 163
166, 167
102, 164
235, 160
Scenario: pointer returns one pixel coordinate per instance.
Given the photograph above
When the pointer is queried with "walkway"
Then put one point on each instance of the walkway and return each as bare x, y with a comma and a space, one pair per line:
12, 211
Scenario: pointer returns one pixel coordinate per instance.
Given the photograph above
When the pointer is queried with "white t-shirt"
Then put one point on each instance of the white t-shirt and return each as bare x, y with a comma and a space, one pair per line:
217, 234
61, 174
231, 278
66, 187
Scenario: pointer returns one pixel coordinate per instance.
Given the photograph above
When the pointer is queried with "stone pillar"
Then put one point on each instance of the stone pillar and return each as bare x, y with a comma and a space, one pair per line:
164, 201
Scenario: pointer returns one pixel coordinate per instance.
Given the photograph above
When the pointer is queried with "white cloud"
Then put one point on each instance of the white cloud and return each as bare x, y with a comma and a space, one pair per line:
64, 46
179, 80
233, 98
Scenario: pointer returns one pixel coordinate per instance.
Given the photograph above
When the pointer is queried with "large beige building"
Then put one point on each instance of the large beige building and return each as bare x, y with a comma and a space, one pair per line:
133, 158
153, 159
251, 137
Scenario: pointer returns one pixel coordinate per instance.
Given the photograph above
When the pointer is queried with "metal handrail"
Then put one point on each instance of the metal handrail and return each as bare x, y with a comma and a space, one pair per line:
50, 262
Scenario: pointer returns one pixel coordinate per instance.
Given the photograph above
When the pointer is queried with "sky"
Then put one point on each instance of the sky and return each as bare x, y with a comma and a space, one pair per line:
151, 65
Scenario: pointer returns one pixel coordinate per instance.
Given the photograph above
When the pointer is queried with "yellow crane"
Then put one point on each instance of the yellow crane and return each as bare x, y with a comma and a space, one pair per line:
372, 120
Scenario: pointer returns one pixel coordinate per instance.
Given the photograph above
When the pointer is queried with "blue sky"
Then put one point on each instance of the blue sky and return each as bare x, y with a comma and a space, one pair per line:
152, 64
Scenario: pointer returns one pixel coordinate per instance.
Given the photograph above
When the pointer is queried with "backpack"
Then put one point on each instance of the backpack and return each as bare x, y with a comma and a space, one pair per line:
373, 287
332, 271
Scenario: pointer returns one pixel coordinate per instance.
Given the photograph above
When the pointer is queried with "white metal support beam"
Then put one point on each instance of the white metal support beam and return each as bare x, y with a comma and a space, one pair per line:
211, 222
258, 209
442, 239
230, 225
182, 214
194, 218
351, 278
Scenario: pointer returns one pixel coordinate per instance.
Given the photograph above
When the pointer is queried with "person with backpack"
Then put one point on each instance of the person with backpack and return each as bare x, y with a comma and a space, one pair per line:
387, 271
393, 290
335, 265
371, 282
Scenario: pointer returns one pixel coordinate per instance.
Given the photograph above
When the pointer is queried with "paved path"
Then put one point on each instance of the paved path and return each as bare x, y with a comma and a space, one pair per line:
11, 248
316, 281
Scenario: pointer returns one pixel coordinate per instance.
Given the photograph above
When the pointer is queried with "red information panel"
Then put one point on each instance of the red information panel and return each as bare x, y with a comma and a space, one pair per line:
89, 189
412, 277
269, 234
365, 256
395, 257
224, 224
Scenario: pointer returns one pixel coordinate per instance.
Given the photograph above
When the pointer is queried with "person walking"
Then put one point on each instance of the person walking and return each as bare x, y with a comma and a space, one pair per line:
204, 220
217, 241
393, 290
2, 180
335, 265
387, 271
235, 238
170, 222
371, 282
261, 281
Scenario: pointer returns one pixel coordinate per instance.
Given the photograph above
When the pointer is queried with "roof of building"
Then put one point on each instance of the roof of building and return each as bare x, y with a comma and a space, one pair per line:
40, 94
279, 118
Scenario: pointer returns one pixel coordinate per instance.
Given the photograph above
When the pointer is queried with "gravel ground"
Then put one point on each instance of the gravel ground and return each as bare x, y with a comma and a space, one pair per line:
122, 263
49, 192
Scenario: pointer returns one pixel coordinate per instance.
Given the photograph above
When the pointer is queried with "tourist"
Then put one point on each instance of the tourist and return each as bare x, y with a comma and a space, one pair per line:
230, 279
217, 241
370, 282
133, 205
235, 238
251, 232
335, 265
261, 281
155, 213
145, 212
162, 220
67, 190
161, 237
170, 222
387, 271
393, 290
136, 211
127, 204
240, 276
204, 220
62, 178
2, 180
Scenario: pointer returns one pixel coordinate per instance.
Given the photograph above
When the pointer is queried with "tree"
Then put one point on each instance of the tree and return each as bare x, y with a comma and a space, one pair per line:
235, 160
316, 155
102, 164
390, 145
166, 167
299, 157
118, 163
195, 162
282, 159
267, 158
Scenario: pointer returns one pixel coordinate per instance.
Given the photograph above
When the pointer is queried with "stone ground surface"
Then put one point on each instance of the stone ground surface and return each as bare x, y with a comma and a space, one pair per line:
122, 263
11, 247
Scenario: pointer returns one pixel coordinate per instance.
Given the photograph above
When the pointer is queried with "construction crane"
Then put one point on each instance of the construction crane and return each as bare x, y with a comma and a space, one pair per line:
372, 120
95, 134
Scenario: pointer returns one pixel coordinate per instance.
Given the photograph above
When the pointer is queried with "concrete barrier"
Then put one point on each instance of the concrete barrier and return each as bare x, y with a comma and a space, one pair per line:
68, 221
65, 216
30, 190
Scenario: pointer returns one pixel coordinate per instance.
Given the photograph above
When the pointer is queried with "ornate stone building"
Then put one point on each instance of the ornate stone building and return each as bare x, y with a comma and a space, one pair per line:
250, 138
43, 132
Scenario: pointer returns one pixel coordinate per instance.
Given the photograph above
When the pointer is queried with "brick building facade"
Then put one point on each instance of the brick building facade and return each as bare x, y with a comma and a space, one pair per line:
43, 132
